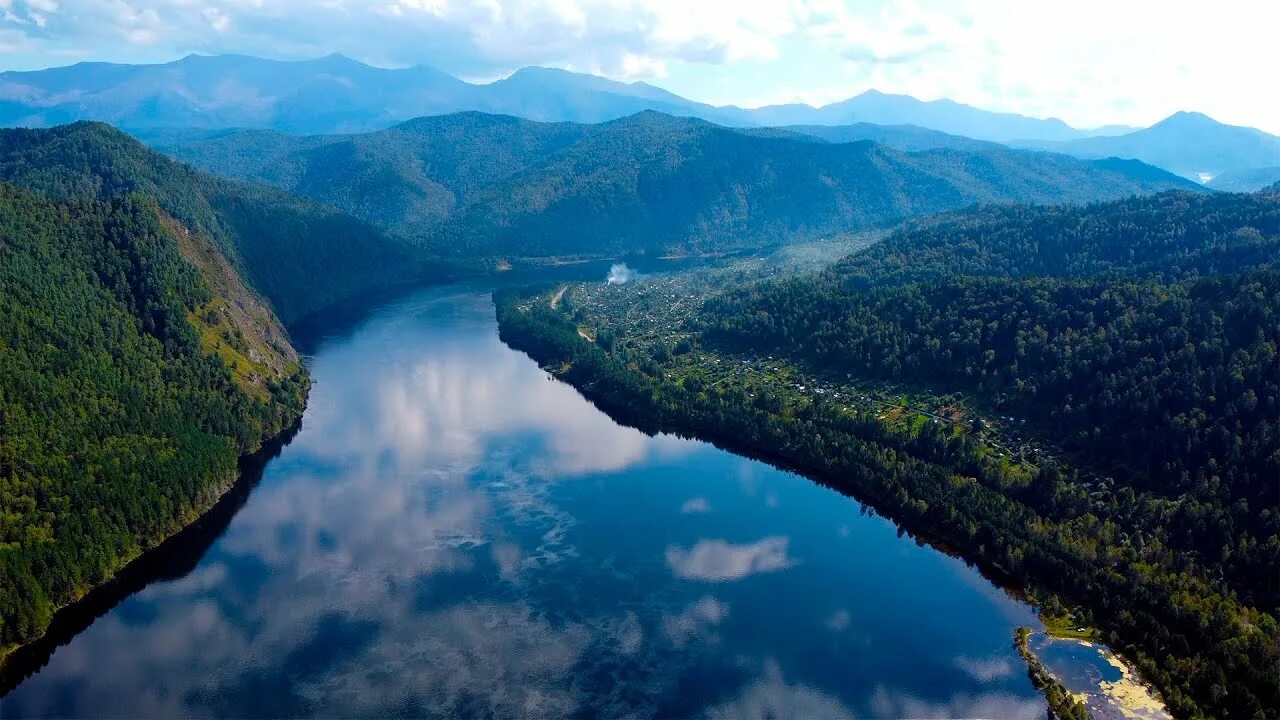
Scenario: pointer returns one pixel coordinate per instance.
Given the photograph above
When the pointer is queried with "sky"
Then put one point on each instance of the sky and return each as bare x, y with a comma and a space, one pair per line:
1088, 62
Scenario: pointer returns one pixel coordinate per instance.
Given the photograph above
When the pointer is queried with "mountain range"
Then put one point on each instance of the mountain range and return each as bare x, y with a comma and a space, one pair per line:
337, 94
500, 186
1190, 144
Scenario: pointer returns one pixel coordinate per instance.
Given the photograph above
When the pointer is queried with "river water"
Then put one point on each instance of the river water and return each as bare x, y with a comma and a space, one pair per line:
452, 532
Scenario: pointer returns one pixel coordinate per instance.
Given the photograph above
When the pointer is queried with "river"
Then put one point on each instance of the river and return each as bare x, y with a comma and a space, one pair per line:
452, 532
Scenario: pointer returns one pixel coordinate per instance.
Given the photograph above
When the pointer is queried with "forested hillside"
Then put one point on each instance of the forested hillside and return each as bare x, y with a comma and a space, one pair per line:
1168, 236
1245, 180
408, 177
1135, 340
135, 369
495, 186
910, 138
282, 244
1141, 333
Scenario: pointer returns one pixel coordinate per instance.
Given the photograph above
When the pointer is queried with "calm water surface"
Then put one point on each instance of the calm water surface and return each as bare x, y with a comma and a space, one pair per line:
454, 533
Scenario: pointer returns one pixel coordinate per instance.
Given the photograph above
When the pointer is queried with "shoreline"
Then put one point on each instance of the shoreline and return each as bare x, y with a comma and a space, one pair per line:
1127, 697
170, 558
1063, 704
650, 422
989, 569
1000, 578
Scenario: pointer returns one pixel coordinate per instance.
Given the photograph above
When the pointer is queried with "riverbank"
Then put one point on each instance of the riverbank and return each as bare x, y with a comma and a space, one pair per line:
158, 557
938, 487
1062, 704
1107, 685
516, 538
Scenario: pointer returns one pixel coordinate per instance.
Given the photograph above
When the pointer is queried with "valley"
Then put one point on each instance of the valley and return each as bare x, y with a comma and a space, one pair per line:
336, 389
684, 355
448, 513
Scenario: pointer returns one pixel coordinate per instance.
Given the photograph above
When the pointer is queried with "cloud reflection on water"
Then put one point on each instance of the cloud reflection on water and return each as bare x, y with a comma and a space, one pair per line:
695, 505
889, 703
448, 405
410, 553
718, 560
772, 697
694, 621
395, 478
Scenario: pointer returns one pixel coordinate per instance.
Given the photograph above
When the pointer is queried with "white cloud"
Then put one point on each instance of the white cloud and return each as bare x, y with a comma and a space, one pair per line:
718, 561
1090, 62
633, 66
218, 20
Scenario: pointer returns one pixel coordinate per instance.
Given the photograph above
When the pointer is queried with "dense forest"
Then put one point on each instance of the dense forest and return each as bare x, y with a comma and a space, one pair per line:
910, 138
303, 256
135, 369
473, 184
1168, 236
1140, 336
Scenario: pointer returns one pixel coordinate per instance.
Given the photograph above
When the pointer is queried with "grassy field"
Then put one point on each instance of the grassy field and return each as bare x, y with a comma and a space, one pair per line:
1065, 626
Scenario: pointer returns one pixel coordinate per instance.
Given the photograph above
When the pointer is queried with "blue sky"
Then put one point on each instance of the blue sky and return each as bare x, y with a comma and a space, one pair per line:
1089, 62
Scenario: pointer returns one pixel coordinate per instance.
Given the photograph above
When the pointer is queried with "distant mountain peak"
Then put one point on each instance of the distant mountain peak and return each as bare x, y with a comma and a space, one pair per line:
1190, 144
657, 117
1188, 118
539, 71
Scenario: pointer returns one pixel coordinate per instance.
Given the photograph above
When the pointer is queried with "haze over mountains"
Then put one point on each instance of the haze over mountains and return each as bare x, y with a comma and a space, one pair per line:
335, 94
338, 94
499, 186
1190, 144
1245, 180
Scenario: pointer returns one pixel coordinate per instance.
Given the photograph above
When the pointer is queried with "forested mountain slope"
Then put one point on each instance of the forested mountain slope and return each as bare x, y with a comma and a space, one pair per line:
910, 138
408, 177
135, 369
1141, 333
496, 186
1134, 342
282, 244
1171, 235
1246, 180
